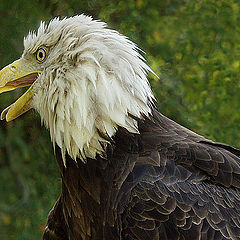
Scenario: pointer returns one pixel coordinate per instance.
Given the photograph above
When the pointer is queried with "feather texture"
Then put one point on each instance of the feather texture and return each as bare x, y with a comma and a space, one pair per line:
128, 172
153, 185
91, 81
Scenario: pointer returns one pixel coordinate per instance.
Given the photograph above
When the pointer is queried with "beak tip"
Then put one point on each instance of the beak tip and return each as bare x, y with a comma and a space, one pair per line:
2, 116
8, 117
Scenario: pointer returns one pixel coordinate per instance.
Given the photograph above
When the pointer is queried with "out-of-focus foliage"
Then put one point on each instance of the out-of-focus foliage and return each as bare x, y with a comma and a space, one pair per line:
194, 46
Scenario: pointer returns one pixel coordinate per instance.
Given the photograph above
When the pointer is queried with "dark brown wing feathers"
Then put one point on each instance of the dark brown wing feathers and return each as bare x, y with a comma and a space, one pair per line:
166, 183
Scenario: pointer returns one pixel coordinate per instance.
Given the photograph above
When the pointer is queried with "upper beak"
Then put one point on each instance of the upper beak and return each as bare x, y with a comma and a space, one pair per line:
16, 75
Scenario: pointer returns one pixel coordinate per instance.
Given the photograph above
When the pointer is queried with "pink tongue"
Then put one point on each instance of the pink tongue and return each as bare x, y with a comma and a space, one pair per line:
24, 81
5, 111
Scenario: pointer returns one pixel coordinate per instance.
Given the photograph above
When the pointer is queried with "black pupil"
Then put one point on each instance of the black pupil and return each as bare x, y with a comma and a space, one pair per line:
40, 54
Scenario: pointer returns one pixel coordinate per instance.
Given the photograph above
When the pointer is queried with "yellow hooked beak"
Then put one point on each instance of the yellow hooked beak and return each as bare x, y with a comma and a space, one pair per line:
16, 75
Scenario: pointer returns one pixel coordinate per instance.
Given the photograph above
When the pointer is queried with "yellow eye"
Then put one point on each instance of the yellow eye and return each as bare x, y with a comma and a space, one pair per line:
41, 54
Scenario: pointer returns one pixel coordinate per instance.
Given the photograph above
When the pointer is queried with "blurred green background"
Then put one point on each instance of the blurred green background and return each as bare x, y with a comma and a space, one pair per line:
194, 46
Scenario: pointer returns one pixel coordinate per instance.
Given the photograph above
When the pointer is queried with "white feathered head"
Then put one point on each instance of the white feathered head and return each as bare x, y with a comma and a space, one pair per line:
85, 81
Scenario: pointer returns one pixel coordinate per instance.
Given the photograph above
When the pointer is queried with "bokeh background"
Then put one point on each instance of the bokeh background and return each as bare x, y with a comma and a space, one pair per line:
193, 46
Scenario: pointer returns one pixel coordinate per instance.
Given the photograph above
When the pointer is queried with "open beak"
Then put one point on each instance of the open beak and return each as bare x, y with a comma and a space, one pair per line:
16, 75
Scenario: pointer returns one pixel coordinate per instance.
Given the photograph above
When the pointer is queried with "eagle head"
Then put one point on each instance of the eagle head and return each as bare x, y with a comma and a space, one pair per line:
85, 81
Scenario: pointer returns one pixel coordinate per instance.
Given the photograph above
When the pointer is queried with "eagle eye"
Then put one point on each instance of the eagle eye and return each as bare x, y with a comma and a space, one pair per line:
41, 54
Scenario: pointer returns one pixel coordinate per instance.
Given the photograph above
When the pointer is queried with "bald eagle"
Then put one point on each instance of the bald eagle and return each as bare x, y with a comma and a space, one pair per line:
128, 172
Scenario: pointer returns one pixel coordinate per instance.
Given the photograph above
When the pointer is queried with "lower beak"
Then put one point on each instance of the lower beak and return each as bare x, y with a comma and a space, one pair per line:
17, 75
